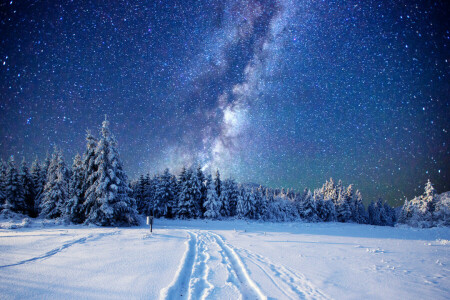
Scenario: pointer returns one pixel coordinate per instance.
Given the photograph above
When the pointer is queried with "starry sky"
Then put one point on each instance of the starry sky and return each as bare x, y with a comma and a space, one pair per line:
280, 93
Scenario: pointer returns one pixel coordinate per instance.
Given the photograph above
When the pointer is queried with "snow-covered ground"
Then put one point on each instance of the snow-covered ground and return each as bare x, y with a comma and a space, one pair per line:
225, 260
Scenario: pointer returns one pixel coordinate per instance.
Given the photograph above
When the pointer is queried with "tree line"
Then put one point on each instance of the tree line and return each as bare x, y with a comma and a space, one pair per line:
95, 190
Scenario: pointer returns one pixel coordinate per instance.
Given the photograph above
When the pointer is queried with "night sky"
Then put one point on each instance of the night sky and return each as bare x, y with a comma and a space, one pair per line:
279, 93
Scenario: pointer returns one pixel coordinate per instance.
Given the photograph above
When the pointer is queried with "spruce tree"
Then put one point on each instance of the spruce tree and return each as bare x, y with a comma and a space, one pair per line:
27, 184
240, 205
150, 194
197, 180
374, 213
186, 200
308, 208
107, 200
211, 205
249, 205
14, 195
218, 184
2, 183
89, 166
37, 175
74, 208
430, 196
164, 195
139, 192
55, 193
360, 211
343, 208
45, 166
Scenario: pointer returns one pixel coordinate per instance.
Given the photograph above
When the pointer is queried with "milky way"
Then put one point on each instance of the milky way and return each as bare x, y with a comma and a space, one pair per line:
279, 93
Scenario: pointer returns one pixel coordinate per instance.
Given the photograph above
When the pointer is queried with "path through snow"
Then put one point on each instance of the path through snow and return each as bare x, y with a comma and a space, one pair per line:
211, 268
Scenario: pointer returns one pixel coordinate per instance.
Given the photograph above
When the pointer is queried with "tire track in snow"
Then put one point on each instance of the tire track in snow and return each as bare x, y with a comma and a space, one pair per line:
48, 254
290, 283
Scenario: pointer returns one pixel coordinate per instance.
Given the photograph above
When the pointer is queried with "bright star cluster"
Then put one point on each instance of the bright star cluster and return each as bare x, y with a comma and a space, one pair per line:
281, 93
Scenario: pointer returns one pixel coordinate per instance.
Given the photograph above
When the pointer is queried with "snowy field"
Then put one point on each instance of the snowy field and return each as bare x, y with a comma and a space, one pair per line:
225, 260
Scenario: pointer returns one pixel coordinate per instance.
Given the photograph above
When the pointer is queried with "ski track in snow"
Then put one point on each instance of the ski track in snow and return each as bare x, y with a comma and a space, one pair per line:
211, 269
290, 283
48, 254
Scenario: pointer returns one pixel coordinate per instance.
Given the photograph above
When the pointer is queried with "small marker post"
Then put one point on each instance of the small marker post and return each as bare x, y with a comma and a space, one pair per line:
150, 222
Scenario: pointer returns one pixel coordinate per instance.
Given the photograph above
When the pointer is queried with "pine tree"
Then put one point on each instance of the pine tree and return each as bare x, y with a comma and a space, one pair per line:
389, 215
430, 196
45, 166
37, 175
2, 182
211, 205
150, 184
27, 185
308, 208
441, 214
14, 195
175, 189
404, 213
218, 184
240, 206
374, 213
55, 193
249, 205
107, 200
164, 195
197, 180
261, 203
343, 208
139, 194
361, 216
186, 201
74, 208
203, 190
90, 168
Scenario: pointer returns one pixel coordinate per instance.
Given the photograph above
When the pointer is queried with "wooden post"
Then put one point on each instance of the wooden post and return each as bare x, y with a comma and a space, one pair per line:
151, 224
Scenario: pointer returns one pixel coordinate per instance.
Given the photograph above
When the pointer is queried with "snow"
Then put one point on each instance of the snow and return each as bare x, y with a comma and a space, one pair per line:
223, 260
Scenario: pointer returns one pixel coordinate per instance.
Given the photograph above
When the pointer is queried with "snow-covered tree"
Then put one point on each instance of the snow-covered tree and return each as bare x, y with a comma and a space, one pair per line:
74, 207
441, 214
307, 209
27, 185
164, 195
240, 207
55, 195
429, 197
325, 207
419, 212
89, 166
139, 193
249, 205
343, 207
45, 166
211, 205
2, 183
218, 183
14, 196
261, 203
360, 214
106, 200
186, 199
39, 178
374, 213
196, 187
203, 190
